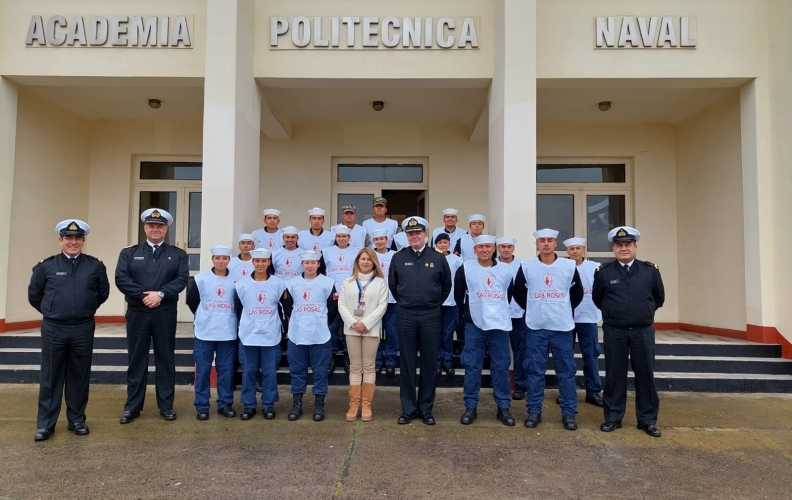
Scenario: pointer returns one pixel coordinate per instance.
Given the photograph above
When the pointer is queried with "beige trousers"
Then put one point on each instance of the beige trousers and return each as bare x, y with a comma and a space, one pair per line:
362, 356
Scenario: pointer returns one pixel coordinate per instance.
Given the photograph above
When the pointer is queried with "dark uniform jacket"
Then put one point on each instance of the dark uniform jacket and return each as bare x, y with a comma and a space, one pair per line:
68, 293
139, 270
419, 282
628, 300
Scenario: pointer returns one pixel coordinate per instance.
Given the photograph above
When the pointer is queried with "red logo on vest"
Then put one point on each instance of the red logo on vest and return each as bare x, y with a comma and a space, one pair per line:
261, 296
271, 243
220, 290
548, 279
316, 246
288, 261
489, 280
384, 264
306, 294
244, 271
341, 257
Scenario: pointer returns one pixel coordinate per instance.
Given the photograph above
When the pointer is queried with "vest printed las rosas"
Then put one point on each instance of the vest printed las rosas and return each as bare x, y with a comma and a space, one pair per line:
270, 241
549, 307
241, 269
384, 262
308, 323
587, 312
260, 324
287, 263
338, 263
487, 295
215, 318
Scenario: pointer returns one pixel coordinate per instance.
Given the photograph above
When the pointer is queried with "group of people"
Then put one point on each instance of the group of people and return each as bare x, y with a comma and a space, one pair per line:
369, 291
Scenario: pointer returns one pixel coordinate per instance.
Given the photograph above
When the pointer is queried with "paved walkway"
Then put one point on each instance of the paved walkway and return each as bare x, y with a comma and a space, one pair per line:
713, 446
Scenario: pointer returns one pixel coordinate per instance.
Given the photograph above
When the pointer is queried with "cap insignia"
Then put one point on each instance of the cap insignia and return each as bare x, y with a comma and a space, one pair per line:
155, 213
73, 227
622, 233
412, 223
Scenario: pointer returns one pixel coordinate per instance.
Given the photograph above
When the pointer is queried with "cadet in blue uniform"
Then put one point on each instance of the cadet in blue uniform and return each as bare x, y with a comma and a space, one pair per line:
449, 309
211, 299
311, 305
519, 328
482, 290
549, 290
628, 292
67, 289
420, 281
151, 275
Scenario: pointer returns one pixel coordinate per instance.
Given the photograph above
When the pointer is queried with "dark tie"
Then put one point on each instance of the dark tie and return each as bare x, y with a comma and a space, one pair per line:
154, 248
72, 260
626, 269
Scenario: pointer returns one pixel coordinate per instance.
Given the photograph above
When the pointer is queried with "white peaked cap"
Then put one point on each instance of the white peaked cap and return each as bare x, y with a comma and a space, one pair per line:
290, 230
342, 229
379, 232
272, 211
245, 236
73, 226
575, 241
157, 215
477, 217
420, 220
545, 233
505, 240
310, 256
450, 211
484, 238
317, 211
261, 253
624, 233
221, 250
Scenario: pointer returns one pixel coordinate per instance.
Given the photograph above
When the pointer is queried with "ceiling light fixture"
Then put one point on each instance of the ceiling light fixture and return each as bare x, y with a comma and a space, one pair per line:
155, 103
378, 105
604, 105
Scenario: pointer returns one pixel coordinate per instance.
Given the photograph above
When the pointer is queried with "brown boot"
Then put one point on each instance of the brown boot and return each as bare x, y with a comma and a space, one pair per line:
354, 403
368, 395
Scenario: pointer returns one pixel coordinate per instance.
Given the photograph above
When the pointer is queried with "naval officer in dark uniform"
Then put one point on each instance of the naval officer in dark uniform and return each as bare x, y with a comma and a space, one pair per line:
628, 291
67, 289
420, 281
151, 275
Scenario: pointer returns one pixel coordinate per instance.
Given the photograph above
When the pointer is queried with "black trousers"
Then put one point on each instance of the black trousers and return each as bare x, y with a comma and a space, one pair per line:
418, 331
66, 352
158, 326
639, 345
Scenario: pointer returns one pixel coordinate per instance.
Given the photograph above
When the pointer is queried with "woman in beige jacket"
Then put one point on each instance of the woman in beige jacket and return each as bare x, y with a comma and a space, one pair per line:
362, 303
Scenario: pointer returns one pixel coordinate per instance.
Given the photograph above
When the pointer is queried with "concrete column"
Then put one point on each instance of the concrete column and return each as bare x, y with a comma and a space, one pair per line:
512, 124
758, 210
8, 122
232, 112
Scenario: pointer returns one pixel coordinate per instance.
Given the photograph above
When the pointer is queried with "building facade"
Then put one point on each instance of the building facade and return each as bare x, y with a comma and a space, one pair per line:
673, 116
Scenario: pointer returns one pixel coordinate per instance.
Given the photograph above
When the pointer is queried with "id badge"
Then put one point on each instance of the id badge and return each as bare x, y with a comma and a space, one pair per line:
361, 310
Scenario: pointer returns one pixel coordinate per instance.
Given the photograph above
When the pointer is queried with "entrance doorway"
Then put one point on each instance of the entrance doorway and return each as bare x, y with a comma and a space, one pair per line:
176, 188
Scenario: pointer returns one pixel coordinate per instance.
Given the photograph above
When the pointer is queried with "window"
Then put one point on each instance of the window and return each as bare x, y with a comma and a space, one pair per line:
380, 173
170, 170
585, 199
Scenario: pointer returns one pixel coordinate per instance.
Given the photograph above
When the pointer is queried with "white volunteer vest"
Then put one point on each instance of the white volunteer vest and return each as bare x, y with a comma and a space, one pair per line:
270, 241
390, 225
241, 269
307, 241
587, 312
215, 318
466, 247
454, 262
384, 262
260, 324
488, 298
308, 323
287, 263
514, 308
549, 307
338, 263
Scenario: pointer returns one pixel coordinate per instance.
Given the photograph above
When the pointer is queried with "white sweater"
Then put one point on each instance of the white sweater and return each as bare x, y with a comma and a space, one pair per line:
376, 298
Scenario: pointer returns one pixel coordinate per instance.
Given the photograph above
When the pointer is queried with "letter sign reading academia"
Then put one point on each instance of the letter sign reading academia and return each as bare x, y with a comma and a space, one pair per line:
359, 33
113, 31
645, 32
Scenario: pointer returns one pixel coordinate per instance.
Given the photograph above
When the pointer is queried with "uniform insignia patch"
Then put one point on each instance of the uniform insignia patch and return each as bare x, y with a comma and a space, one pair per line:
73, 227
412, 222
155, 213
622, 233
431, 264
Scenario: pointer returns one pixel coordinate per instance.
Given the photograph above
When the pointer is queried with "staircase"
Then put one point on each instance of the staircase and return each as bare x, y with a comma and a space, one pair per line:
683, 362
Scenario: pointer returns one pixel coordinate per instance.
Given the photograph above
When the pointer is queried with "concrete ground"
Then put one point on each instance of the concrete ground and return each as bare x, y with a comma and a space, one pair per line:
713, 446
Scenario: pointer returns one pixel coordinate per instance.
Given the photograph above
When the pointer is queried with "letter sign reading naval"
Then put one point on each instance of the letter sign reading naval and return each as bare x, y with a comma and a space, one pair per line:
359, 33
644, 32
114, 31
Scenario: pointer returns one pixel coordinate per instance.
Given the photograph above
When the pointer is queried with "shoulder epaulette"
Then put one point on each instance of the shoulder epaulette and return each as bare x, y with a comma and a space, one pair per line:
94, 258
48, 258
438, 251
130, 246
651, 265
602, 266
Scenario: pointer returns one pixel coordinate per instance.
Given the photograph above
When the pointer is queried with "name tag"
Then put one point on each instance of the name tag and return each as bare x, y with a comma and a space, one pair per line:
62, 273
613, 282
139, 258
408, 263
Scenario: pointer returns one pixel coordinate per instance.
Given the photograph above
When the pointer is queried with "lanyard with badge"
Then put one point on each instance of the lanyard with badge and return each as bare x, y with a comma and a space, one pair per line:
361, 308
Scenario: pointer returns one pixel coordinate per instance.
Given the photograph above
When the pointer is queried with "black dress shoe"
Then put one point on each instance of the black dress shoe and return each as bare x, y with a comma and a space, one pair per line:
43, 434
449, 369
269, 413
558, 400
569, 422
389, 370
227, 412
610, 426
247, 413
129, 417
406, 418
427, 418
533, 420
78, 428
518, 394
595, 399
258, 387
202, 415
650, 429
504, 415
168, 414
439, 371
469, 416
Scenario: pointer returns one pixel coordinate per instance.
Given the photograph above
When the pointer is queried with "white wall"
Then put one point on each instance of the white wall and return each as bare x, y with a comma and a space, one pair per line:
710, 213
